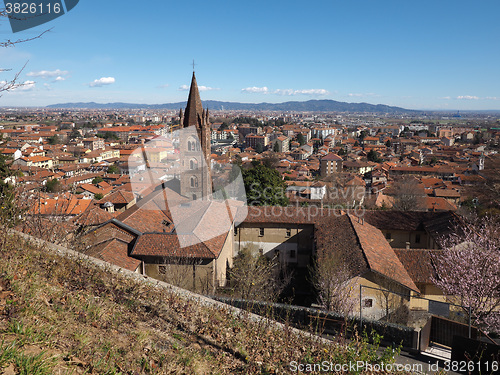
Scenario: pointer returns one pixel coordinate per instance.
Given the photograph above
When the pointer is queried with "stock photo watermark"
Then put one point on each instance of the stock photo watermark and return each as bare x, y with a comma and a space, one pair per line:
24, 15
206, 201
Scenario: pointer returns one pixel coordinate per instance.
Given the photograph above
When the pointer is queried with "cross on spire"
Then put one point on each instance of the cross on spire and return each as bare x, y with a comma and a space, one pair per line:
194, 65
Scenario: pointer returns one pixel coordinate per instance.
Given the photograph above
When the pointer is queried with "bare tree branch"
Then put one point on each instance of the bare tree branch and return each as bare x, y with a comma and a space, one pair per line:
12, 43
11, 84
331, 278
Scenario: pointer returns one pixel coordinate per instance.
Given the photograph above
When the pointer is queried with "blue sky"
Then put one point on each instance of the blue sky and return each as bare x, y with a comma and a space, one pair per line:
422, 54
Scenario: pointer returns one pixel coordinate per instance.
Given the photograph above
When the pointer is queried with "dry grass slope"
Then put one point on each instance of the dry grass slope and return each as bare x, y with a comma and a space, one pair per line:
65, 316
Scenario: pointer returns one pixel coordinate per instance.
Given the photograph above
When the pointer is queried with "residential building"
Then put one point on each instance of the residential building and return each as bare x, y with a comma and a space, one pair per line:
331, 163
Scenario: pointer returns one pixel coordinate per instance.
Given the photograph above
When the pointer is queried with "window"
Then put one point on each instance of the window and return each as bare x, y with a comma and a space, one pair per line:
288, 232
417, 238
194, 181
193, 164
293, 254
261, 231
162, 270
192, 145
387, 236
235, 231
368, 302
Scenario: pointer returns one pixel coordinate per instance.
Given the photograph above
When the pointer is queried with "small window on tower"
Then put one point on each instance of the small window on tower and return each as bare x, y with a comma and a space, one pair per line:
162, 270
288, 232
194, 181
368, 302
417, 238
261, 231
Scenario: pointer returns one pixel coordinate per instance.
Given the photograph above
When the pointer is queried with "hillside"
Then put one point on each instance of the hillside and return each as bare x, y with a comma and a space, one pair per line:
64, 315
310, 105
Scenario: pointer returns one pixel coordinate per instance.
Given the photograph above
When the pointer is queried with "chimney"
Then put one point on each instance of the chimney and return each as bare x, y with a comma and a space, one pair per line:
407, 246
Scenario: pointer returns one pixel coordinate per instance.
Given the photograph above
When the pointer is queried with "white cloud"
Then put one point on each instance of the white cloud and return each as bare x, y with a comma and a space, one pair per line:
312, 92
200, 88
163, 86
206, 88
59, 78
256, 90
362, 95
48, 73
102, 81
492, 98
446, 97
467, 97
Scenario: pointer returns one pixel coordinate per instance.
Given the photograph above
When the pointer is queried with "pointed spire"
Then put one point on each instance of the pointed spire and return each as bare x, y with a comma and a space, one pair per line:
194, 108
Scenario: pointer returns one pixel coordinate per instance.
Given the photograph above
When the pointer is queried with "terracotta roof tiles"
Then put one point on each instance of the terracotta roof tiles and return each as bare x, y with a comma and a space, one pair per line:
168, 245
418, 264
379, 254
93, 216
119, 197
115, 251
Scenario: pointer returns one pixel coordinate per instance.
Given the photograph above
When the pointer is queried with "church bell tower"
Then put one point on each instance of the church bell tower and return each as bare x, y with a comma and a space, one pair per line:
196, 182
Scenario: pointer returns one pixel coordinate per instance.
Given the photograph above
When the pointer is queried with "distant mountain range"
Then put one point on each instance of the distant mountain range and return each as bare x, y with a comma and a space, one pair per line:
307, 106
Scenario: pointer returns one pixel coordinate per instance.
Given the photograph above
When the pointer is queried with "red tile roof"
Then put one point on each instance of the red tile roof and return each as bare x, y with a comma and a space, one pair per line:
285, 215
95, 190
119, 197
439, 204
115, 251
362, 247
331, 157
447, 193
379, 254
418, 264
52, 206
168, 245
93, 216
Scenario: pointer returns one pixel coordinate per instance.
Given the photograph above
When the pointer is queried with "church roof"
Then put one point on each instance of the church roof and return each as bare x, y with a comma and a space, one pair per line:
194, 109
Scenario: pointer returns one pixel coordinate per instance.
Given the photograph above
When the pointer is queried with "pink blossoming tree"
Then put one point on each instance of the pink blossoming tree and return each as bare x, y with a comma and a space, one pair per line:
468, 271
